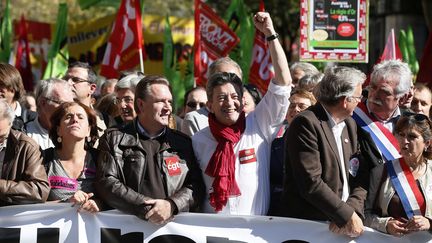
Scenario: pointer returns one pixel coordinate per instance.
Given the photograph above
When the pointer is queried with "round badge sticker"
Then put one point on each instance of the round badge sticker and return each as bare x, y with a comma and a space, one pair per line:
320, 35
354, 166
345, 29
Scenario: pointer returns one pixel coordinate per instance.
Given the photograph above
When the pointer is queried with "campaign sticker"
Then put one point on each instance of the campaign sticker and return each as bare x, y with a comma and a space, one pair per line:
173, 165
247, 156
354, 166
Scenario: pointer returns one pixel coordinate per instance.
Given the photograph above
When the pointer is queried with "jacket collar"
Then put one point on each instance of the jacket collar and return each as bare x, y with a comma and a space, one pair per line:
132, 138
11, 152
326, 125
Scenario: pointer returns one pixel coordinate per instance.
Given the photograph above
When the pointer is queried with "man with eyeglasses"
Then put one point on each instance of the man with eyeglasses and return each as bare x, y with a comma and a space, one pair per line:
22, 175
49, 95
234, 151
83, 80
319, 183
125, 97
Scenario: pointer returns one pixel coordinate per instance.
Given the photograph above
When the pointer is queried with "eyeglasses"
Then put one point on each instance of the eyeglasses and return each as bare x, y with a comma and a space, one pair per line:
58, 102
302, 106
358, 98
75, 80
126, 99
193, 104
417, 116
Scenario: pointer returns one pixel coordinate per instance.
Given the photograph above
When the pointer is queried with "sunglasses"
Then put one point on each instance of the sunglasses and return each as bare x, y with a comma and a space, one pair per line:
75, 80
417, 117
194, 105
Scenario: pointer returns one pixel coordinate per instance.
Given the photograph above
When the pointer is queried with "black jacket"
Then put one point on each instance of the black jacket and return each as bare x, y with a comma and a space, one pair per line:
137, 168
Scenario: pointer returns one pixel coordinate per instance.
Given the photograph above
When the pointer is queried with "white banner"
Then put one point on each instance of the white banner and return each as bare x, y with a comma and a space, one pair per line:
54, 223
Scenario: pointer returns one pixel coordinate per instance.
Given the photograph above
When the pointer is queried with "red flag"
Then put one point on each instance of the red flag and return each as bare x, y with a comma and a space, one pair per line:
261, 70
213, 39
391, 49
391, 52
125, 43
22, 58
425, 72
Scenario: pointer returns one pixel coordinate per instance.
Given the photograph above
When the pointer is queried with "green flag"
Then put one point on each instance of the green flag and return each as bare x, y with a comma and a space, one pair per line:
240, 21
85, 4
58, 54
170, 66
6, 35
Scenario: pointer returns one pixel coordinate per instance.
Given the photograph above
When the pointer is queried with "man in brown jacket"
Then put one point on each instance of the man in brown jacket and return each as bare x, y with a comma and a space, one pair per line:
323, 179
22, 176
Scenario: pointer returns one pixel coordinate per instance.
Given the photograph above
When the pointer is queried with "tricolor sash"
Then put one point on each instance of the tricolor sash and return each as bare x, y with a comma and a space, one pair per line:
382, 137
406, 187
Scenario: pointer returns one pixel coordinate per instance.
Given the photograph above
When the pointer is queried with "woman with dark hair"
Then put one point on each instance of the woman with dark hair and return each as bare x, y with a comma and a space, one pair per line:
71, 165
400, 196
12, 90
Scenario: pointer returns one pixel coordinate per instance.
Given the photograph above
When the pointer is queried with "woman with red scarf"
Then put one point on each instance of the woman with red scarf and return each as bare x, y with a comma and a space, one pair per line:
234, 151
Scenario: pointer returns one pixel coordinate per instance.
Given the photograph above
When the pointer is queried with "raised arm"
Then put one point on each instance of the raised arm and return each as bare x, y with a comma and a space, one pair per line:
264, 24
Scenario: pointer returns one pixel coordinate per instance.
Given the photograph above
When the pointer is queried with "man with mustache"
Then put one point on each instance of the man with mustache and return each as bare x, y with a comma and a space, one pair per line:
390, 82
377, 116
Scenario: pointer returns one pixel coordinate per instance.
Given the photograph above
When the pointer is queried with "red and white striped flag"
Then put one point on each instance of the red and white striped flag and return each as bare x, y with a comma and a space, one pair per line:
22, 58
391, 49
125, 46
261, 70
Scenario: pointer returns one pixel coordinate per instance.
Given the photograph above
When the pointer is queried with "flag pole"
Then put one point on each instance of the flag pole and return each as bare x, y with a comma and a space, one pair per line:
141, 60
393, 43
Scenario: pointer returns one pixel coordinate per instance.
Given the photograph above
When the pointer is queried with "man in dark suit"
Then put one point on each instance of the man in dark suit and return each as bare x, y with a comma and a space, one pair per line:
322, 176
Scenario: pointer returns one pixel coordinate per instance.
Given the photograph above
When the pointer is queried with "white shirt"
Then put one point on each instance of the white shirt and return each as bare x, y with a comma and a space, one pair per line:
18, 109
252, 165
389, 123
337, 130
39, 134
195, 121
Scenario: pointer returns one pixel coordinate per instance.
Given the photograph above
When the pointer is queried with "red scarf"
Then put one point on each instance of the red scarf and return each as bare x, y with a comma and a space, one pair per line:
222, 163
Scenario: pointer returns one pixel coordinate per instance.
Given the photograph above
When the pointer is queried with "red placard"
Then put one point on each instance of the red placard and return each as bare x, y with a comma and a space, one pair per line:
215, 40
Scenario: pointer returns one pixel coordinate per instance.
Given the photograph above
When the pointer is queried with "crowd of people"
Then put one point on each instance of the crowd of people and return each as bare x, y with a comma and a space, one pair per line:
315, 146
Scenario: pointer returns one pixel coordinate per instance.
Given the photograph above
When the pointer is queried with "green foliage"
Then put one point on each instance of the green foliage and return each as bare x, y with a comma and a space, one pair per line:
407, 48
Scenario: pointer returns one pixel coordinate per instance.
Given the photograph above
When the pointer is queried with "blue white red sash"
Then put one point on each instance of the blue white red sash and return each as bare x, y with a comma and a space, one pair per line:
382, 137
406, 187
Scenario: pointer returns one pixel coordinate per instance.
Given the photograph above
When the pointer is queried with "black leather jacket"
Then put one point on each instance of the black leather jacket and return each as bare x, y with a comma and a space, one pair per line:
137, 168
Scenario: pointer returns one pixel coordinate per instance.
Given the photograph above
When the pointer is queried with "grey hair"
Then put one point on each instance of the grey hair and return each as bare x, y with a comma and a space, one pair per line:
338, 82
109, 81
6, 111
393, 69
45, 87
213, 68
129, 81
306, 67
309, 82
